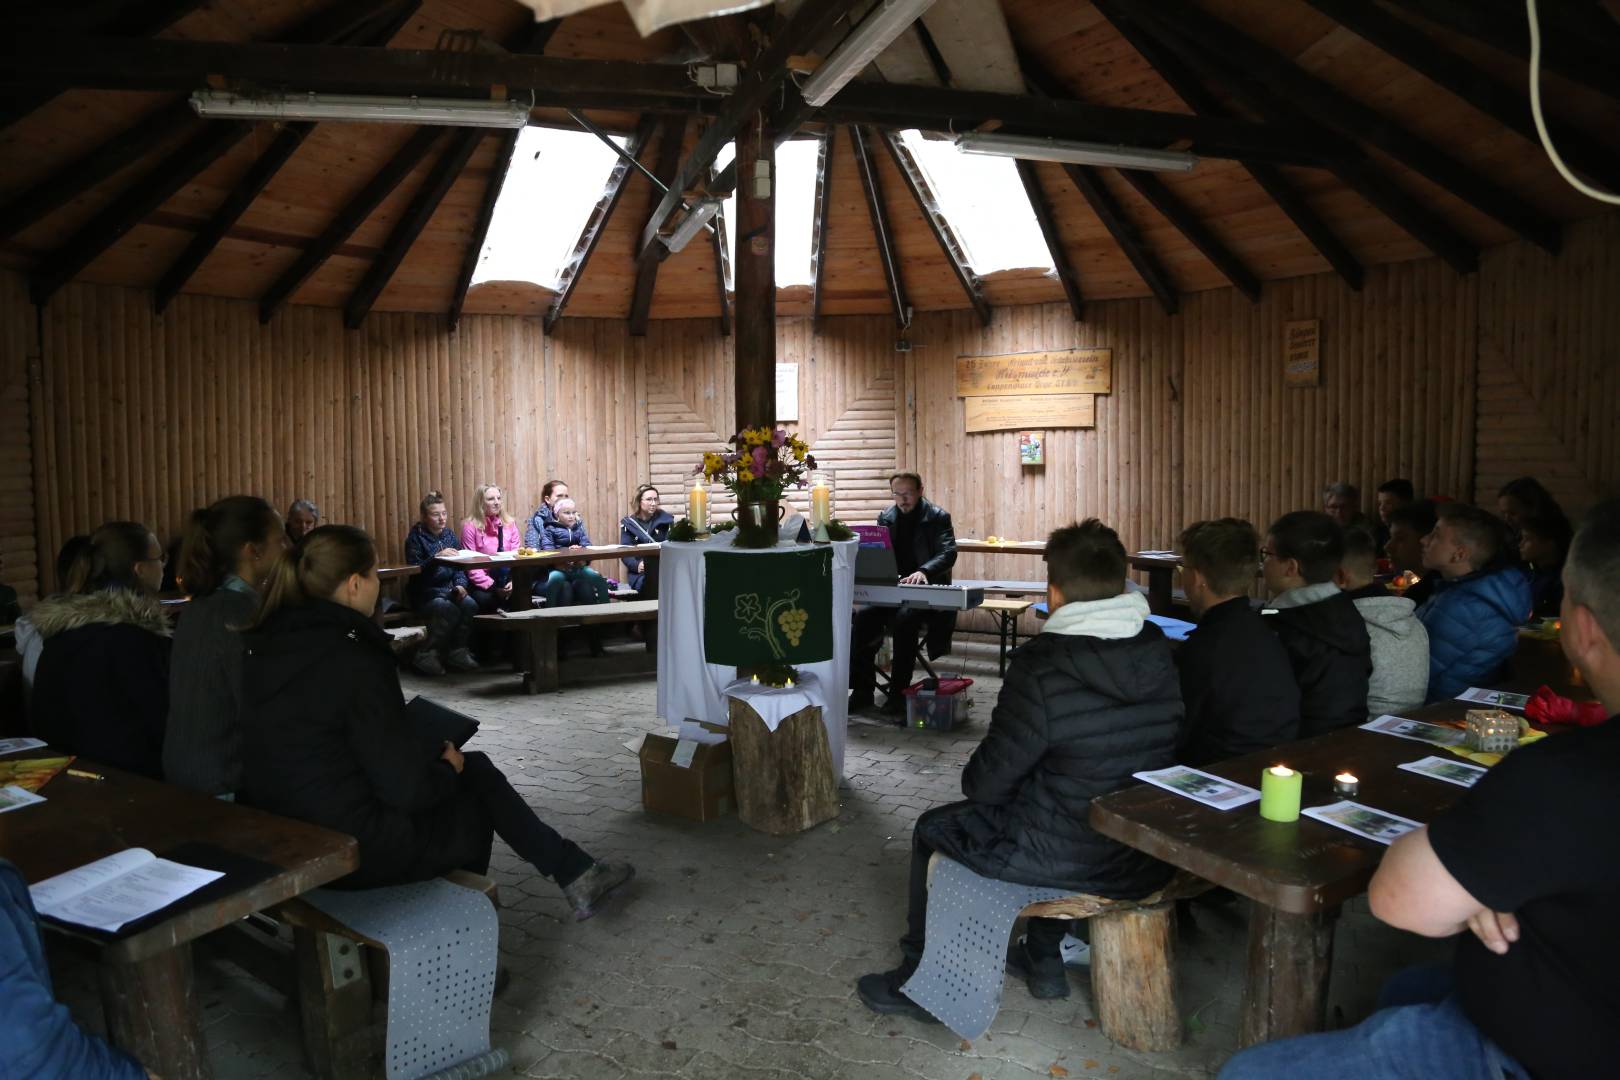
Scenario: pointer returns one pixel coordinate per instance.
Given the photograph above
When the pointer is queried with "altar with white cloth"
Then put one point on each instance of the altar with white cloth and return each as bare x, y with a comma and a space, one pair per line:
691, 689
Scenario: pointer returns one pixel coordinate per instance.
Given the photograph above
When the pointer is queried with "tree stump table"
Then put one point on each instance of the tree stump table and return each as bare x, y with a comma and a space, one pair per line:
785, 778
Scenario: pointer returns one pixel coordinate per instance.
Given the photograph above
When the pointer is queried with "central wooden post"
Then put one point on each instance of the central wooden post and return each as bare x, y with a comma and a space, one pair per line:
755, 278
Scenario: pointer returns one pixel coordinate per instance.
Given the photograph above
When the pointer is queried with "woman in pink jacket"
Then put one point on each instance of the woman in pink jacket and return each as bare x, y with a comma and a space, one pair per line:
489, 530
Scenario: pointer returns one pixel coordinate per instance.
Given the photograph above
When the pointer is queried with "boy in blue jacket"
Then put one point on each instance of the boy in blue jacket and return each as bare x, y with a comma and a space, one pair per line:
1480, 599
440, 592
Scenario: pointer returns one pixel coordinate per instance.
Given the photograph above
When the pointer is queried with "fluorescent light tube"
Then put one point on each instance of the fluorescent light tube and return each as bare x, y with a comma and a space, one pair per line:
1036, 148
449, 112
692, 224
874, 34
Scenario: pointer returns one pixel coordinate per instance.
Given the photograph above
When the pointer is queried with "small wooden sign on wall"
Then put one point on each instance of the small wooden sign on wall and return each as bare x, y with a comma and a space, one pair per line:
1019, 413
1302, 353
1044, 390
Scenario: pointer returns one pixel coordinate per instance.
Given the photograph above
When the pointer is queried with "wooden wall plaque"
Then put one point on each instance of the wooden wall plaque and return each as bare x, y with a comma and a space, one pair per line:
1043, 411
1302, 352
1070, 372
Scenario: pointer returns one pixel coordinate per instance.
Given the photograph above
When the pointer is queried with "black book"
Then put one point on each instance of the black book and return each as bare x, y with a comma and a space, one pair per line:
441, 724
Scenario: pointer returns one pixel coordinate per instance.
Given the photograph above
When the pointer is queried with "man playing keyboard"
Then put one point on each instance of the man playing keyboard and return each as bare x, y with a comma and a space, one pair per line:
924, 551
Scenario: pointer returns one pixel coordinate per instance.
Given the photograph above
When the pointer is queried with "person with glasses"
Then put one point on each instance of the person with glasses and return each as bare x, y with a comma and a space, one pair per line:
1319, 627
102, 685
645, 524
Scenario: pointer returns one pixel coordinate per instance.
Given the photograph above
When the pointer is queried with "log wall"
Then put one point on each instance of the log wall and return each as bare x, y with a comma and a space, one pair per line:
138, 416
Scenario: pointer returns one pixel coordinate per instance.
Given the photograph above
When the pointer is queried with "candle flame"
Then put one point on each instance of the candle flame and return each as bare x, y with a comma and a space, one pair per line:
1346, 778
1281, 770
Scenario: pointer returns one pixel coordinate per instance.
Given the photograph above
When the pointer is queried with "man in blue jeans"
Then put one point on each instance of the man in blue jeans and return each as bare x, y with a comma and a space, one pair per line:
1529, 861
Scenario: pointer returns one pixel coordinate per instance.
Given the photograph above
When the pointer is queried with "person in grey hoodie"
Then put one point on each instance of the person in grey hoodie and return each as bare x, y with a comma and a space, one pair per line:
1400, 644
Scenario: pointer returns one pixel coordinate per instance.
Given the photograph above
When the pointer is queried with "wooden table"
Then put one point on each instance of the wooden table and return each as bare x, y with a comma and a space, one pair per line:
151, 1006
1298, 874
525, 569
1006, 612
1160, 570
1009, 547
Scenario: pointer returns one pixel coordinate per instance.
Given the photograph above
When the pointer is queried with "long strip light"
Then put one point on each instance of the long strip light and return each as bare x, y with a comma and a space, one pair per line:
692, 224
447, 112
874, 34
1036, 148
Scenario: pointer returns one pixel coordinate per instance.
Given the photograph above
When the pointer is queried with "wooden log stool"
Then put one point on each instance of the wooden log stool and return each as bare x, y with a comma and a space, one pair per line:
785, 779
1133, 972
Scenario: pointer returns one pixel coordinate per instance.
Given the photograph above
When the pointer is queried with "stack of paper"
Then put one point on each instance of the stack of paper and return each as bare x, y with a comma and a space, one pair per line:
119, 889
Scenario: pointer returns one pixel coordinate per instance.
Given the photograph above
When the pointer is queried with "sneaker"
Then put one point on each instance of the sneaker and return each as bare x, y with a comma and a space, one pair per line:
426, 662
461, 660
1046, 976
587, 892
881, 993
1076, 953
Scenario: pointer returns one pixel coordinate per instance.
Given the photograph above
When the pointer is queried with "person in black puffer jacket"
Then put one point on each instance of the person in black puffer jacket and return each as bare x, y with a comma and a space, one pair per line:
1091, 700
1320, 627
328, 740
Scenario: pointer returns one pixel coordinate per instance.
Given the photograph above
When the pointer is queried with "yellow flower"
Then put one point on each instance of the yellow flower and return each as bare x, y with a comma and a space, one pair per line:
745, 476
799, 452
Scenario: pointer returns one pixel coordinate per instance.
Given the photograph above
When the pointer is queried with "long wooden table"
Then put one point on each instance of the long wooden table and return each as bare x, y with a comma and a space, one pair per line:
526, 568
1160, 571
151, 1006
1297, 874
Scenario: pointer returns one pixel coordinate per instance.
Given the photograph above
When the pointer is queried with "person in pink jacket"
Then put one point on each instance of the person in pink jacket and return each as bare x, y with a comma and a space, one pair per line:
488, 530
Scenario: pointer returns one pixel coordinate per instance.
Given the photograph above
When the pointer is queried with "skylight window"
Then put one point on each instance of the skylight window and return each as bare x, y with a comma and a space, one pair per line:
795, 210
553, 185
984, 201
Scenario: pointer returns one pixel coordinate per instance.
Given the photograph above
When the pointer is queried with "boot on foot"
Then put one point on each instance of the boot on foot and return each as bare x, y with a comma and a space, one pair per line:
586, 893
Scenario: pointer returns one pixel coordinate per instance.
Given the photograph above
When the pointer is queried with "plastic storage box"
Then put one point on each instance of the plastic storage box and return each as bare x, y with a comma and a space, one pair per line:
941, 708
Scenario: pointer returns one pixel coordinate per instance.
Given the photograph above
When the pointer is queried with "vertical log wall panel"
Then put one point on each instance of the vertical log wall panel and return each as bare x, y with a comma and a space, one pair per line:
130, 415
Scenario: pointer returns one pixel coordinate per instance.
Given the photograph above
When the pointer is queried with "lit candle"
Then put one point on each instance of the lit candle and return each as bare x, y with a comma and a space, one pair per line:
754, 679
1346, 785
1279, 793
697, 508
820, 504
788, 684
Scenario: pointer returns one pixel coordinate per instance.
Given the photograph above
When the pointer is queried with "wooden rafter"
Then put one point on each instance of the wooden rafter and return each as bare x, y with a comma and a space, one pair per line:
760, 82
1508, 106
818, 238
1112, 215
263, 171
597, 223
358, 208
882, 235
1054, 241
666, 168
1191, 89
722, 257
434, 187
1509, 32
1330, 107
955, 254
480, 233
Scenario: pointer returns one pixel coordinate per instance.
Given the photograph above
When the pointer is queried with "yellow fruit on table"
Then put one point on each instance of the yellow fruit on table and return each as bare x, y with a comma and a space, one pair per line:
993, 540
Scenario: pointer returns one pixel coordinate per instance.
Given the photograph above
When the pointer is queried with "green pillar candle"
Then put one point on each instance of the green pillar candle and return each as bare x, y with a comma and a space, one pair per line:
1279, 793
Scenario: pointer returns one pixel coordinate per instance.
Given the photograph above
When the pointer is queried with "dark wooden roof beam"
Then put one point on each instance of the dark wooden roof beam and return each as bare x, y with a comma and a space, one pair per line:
1112, 215
722, 258
882, 234
818, 238
596, 224
1507, 30
480, 233
434, 187
1054, 242
952, 248
1328, 106
666, 167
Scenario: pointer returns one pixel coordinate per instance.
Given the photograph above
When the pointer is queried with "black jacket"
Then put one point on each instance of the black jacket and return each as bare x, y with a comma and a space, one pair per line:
1076, 717
1331, 655
326, 739
102, 685
934, 553
1237, 686
437, 579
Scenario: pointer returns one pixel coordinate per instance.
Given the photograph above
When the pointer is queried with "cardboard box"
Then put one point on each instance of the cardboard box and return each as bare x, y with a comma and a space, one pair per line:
701, 791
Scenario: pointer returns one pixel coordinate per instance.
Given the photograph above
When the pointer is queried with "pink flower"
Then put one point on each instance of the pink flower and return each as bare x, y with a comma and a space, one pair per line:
759, 460
779, 436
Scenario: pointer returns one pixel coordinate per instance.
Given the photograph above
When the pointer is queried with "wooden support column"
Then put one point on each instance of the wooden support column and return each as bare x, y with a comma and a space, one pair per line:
1290, 958
755, 279
152, 1011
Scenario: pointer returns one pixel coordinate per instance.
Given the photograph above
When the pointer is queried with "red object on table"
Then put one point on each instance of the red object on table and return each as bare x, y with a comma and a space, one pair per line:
1546, 707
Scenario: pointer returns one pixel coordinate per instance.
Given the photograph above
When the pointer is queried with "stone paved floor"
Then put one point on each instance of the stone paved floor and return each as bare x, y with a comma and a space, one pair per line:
734, 954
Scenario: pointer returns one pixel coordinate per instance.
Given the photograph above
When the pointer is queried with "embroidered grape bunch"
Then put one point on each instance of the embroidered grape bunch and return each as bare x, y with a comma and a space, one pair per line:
793, 621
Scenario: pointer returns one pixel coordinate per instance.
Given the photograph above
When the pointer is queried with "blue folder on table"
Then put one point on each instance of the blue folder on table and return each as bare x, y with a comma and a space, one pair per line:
1174, 629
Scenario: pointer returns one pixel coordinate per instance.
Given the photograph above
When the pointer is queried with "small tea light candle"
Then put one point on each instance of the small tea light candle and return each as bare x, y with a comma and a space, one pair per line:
1346, 785
754, 679
788, 684
1279, 793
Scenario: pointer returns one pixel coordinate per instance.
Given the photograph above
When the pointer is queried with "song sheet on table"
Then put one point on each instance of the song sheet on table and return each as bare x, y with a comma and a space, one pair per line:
13, 797
1452, 772
1416, 730
1499, 699
13, 746
1215, 791
1379, 826
110, 892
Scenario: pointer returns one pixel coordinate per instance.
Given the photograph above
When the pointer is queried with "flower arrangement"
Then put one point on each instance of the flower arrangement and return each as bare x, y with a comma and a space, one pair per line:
759, 464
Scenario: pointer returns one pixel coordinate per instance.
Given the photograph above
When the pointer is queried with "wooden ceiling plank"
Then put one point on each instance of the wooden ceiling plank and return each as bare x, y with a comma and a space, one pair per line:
1112, 215
378, 188
596, 224
375, 31
883, 236
1330, 107
818, 242
667, 168
1190, 88
760, 82
917, 184
1054, 242
1509, 107
1510, 33
411, 223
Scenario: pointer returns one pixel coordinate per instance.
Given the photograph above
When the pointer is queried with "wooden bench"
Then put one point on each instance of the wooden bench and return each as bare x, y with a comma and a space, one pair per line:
540, 627
1133, 971
342, 978
1007, 613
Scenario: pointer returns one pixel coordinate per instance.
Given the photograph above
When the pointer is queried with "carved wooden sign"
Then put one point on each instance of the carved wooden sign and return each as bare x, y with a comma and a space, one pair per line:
1035, 411
1302, 353
1072, 371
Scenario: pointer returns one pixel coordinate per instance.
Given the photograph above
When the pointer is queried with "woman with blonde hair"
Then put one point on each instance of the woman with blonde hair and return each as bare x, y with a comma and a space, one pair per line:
328, 739
487, 530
